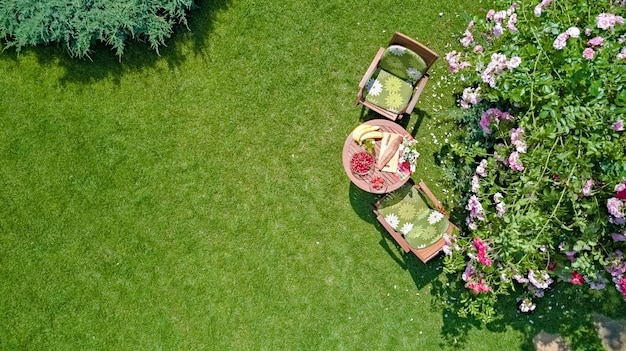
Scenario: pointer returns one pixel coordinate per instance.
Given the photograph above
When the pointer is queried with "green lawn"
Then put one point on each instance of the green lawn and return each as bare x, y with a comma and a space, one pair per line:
197, 200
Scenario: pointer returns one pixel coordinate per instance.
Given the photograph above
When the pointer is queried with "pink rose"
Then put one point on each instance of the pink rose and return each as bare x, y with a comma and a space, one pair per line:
499, 16
603, 21
588, 53
475, 184
587, 187
497, 197
512, 21
577, 278
484, 123
517, 139
608, 21
470, 26
560, 41
620, 191
514, 161
541, 6
614, 205
514, 62
573, 32
481, 169
498, 30
597, 41
470, 97
501, 208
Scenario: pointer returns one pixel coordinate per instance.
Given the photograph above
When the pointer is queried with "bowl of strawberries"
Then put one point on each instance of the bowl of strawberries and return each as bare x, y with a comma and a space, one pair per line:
361, 163
377, 185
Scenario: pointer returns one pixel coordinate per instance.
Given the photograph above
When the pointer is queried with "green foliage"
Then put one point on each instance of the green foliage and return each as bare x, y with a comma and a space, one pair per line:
168, 203
551, 148
79, 24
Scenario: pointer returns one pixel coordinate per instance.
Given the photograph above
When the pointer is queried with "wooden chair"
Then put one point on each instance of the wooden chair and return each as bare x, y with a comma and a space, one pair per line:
425, 239
396, 77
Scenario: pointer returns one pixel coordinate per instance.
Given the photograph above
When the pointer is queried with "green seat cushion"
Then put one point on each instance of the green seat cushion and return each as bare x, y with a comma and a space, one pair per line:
388, 91
408, 213
403, 63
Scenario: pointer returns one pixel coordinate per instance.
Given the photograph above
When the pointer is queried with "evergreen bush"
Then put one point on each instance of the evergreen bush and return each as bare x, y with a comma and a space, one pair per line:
79, 24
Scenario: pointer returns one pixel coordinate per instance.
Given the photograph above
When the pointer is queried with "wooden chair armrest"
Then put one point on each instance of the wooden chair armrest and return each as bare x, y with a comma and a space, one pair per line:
395, 235
418, 91
428, 253
376, 204
432, 198
359, 97
452, 227
372, 68
368, 74
381, 111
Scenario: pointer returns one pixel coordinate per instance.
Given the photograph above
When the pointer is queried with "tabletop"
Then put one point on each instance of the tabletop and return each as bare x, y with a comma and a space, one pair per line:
350, 147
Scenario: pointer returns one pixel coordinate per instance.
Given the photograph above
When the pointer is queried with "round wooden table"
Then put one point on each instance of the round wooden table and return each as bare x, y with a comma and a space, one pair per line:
350, 147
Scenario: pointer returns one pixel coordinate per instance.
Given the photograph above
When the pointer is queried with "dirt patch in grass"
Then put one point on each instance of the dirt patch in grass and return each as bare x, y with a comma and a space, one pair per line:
549, 342
612, 332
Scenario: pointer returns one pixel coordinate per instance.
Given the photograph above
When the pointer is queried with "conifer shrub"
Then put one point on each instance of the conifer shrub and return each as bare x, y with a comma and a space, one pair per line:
79, 24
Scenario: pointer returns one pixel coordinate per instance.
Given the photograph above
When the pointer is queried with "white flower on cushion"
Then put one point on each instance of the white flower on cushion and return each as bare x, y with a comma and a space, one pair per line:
397, 50
374, 87
435, 217
393, 220
413, 73
406, 228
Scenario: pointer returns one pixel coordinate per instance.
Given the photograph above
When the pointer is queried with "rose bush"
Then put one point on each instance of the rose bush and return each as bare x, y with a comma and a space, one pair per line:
540, 159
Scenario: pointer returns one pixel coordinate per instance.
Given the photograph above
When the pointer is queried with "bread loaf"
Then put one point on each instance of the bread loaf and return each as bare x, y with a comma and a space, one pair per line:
394, 142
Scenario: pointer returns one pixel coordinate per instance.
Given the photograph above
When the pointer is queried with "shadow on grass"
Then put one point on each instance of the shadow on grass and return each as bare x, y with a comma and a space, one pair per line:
566, 310
367, 114
422, 273
420, 115
361, 202
137, 55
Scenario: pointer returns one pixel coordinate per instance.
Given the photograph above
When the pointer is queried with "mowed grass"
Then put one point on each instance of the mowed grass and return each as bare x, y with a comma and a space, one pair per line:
197, 200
